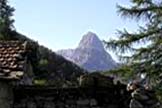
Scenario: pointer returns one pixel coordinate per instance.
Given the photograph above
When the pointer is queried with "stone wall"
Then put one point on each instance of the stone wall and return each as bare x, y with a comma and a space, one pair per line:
6, 95
49, 97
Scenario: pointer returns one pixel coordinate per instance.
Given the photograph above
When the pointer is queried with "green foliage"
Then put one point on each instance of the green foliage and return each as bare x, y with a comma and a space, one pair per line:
147, 57
125, 73
56, 70
43, 62
40, 82
6, 21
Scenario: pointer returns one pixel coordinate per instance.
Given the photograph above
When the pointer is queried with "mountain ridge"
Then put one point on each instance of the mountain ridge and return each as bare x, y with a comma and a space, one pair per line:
90, 54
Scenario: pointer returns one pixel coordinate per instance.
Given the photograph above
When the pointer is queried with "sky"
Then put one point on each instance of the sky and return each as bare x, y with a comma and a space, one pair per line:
60, 24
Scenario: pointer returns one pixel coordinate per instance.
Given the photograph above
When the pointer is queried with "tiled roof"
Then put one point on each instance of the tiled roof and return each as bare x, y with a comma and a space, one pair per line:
12, 59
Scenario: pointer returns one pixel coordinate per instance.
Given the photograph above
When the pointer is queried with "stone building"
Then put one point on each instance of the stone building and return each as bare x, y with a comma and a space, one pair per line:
14, 69
18, 91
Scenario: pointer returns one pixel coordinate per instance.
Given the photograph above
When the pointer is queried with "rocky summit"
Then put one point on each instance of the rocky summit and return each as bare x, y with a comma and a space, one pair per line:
90, 54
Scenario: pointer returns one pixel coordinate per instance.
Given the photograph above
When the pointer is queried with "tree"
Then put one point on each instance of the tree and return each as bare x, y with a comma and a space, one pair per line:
147, 57
6, 21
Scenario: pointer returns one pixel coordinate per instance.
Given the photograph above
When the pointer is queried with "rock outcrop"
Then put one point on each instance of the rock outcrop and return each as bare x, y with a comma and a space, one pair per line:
142, 97
90, 54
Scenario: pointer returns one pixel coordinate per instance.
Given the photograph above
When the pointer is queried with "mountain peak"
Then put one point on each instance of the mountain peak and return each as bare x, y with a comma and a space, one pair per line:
90, 54
91, 40
91, 34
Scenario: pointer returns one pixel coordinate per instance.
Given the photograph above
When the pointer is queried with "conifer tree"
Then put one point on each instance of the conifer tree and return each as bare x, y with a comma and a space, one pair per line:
147, 57
6, 21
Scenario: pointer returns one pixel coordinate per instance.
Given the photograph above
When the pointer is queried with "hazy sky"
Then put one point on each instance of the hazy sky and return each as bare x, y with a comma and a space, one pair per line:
60, 24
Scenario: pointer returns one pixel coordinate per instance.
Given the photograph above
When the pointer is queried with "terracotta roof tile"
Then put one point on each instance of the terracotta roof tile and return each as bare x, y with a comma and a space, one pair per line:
12, 59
